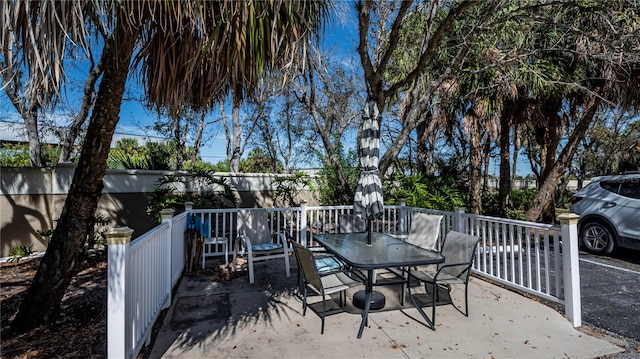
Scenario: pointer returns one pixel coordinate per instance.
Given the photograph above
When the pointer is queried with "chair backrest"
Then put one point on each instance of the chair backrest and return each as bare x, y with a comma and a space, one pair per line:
459, 248
253, 223
308, 266
351, 223
425, 230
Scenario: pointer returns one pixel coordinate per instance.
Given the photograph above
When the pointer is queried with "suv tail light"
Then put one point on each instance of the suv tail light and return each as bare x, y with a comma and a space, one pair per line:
575, 199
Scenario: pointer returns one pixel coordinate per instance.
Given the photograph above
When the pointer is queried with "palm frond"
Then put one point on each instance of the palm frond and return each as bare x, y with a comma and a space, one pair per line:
36, 35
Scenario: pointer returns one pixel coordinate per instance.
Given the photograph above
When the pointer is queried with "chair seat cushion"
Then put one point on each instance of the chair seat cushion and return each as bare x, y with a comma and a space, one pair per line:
266, 246
327, 264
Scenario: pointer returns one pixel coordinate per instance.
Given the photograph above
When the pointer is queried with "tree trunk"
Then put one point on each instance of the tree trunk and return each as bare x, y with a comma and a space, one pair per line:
547, 188
424, 148
516, 150
67, 152
42, 301
324, 130
28, 109
269, 144
35, 147
235, 153
227, 132
197, 142
486, 164
29, 115
505, 187
475, 163
177, 137
553, 132
331, 156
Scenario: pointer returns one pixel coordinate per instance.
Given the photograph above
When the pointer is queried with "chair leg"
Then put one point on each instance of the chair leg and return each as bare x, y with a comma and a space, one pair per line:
204, 250
405, 274
304, 301
298, 280
234, 256
466, 299
226, 254
323, 313
250, 264
433, 308
286, 263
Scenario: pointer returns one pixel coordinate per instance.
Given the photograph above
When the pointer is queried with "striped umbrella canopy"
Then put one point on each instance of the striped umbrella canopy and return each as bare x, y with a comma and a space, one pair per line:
368, 202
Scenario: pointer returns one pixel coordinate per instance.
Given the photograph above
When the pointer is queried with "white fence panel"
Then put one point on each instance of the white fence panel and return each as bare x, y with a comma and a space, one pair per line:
150, 260
139, 285
177, 247
524, 255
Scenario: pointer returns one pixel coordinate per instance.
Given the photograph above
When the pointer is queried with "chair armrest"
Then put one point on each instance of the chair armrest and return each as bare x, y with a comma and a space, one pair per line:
441, 267
242, 240
278, 237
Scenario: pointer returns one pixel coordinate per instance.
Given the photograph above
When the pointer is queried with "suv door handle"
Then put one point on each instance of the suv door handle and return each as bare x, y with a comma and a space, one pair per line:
610, 205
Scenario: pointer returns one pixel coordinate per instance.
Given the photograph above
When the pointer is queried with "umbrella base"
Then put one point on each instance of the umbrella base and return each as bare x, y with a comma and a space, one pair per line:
377, 300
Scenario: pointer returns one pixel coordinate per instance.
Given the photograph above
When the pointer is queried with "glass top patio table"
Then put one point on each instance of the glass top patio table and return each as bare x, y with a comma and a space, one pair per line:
384, 251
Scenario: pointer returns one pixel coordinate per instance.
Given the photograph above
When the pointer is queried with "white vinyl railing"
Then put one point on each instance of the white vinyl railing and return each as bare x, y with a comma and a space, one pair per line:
537, 258
140, 278
521, 254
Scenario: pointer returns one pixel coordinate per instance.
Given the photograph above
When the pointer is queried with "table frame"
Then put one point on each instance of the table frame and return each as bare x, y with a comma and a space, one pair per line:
352, 248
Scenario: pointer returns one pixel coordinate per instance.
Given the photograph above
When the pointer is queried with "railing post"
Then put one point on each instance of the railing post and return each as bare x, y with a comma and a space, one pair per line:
303, 223
403, 227
118, 293
570, 264
188, 206
166, 215
458, 222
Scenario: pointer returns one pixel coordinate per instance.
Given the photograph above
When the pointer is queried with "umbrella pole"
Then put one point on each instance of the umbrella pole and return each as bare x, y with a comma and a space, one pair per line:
369, 230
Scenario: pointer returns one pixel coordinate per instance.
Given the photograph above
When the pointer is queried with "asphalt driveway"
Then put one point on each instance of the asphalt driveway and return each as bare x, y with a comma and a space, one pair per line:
610, 292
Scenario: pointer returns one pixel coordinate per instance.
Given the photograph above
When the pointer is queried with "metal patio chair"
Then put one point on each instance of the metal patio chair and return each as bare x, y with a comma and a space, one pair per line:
258, 241
425, 230
459, 251
324, 285
350, 223
210, 243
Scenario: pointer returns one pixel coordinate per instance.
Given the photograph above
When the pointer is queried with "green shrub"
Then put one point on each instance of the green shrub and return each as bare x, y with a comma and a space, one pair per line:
17, 155
288, 187
424, 192
521, 199
331, 192
20, 252
168, 195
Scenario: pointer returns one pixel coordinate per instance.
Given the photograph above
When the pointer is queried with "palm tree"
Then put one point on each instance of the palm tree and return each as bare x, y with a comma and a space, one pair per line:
189, 52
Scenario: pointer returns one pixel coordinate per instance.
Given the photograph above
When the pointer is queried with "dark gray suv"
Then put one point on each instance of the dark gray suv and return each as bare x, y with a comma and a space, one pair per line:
609, 209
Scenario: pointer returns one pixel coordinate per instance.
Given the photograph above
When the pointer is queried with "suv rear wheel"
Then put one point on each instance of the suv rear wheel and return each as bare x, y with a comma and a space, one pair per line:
597, 237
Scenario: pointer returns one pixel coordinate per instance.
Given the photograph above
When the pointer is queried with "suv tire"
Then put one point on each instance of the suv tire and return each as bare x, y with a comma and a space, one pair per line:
596, 237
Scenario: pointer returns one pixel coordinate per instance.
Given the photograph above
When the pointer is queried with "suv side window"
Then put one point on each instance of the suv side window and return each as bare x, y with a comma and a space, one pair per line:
631, 190
610, 186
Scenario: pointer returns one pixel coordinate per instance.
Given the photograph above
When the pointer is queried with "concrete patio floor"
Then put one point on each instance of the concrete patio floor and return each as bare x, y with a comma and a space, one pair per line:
234, 319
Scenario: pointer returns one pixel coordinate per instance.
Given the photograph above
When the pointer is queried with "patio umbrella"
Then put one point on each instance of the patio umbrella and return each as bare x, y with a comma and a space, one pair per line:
368, 202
